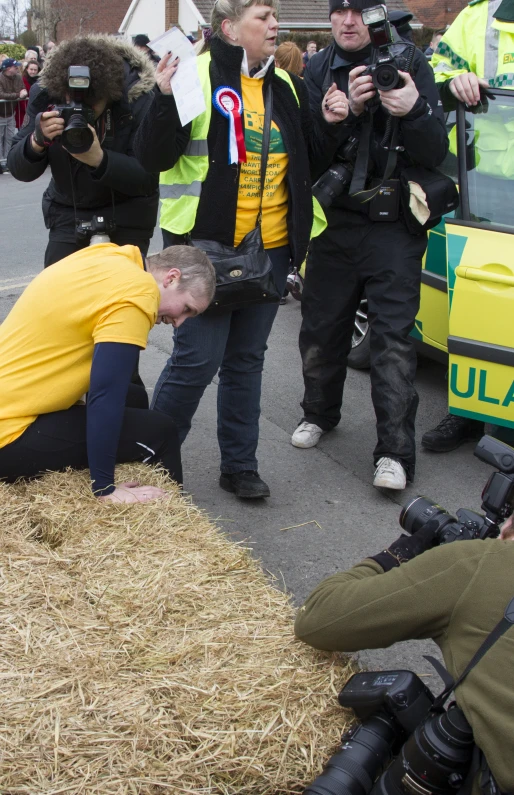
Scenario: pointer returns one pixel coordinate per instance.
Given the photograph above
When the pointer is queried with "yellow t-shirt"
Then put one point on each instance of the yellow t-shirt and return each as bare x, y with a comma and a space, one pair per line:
100, 294
274, 205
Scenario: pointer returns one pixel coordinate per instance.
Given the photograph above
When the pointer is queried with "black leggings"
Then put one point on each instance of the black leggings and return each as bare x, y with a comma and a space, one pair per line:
58, 440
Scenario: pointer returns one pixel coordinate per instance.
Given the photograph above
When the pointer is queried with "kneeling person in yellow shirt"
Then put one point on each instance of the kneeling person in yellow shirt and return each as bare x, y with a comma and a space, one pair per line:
78, 328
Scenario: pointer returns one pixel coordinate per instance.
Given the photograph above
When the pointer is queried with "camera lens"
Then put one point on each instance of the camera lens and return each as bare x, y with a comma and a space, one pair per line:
365, 753
416, 513
77, 137
331, 184
436, 758
386, 77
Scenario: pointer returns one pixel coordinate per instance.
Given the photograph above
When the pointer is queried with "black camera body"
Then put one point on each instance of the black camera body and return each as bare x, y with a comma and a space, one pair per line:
497, 501
394, 706
97, 230
388, 58
339, 176
76, 136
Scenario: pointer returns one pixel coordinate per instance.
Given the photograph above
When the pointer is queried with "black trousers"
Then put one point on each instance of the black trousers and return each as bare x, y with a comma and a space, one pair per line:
351, 257
58, 440
57, 249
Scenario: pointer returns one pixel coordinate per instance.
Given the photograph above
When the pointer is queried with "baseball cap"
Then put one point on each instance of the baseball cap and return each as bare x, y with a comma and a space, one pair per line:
7, 62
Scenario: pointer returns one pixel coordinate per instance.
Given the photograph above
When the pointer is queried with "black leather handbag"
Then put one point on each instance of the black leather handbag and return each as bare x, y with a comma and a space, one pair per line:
244, 273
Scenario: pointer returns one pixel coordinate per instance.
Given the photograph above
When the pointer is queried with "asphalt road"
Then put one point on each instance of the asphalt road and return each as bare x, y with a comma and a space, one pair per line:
326, 490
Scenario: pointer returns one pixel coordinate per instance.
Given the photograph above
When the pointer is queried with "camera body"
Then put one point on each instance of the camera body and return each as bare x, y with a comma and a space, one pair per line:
97, 230
497, 501
76, 136
386, 62
394, 706
339, 176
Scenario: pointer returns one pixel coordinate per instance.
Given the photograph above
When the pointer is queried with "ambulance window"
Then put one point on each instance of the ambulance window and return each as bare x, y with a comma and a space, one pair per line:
490, 162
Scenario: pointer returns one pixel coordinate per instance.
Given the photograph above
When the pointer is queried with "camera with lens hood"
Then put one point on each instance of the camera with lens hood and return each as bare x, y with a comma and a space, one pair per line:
388, 57
497, 501
406, 743
76, 137
401, 747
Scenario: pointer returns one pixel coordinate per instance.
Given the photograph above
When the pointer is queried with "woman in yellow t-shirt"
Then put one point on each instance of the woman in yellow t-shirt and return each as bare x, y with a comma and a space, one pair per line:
241, 52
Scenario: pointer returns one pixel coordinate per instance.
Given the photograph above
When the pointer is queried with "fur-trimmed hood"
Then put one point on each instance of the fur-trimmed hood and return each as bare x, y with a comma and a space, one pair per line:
139, 74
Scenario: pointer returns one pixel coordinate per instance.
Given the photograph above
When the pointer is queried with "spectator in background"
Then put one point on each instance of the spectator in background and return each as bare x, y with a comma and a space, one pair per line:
11, 90
311, 49
434, 41
29, 76
48, 47
141, 42
288, 56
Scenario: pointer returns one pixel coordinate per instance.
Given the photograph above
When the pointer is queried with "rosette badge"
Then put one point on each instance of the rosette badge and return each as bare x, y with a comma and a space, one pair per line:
230, 104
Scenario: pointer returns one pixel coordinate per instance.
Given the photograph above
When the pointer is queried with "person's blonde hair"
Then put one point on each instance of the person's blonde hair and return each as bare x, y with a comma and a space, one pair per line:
197, 273
288, 56
233, 10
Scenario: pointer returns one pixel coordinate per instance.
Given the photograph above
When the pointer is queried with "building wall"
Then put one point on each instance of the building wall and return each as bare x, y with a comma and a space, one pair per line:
148, 17
436, 14
61, 19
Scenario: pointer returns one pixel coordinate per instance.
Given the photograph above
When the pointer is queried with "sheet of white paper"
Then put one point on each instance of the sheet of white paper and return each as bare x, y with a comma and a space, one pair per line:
185, 83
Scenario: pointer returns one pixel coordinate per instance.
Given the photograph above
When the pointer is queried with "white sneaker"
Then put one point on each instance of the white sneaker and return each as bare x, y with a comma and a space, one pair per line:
389, 474
307, 435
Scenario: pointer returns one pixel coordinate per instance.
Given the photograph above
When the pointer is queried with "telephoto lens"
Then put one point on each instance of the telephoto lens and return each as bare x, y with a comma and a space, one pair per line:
435, 759
365, 753
332, 183
76, 137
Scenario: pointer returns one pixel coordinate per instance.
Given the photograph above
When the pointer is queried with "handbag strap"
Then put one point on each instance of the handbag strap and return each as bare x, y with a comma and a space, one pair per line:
266, 134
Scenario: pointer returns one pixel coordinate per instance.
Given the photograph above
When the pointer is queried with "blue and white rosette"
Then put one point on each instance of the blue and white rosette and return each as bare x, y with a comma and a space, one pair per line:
229, 103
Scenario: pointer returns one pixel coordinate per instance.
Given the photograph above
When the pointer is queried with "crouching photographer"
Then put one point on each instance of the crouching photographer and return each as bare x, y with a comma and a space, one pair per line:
81, 121
394, 122
461, 596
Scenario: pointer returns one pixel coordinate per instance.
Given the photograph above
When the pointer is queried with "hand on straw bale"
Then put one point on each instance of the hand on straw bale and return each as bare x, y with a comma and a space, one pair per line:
142, 652
132, 491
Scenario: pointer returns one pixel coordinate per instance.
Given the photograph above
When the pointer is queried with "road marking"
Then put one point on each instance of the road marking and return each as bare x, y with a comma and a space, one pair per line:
14, 286
13, 278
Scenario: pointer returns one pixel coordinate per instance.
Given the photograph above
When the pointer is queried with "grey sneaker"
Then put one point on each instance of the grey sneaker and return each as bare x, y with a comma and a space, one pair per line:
307, 435
389, 474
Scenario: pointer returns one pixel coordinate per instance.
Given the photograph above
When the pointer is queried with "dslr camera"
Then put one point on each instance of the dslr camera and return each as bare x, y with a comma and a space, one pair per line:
76, 136
403, 745
388, 56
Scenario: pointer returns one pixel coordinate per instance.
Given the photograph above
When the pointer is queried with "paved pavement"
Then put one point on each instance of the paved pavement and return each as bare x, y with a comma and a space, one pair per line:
327, 490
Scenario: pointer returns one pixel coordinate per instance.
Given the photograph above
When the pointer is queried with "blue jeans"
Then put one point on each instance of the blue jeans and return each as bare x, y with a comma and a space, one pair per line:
233, 343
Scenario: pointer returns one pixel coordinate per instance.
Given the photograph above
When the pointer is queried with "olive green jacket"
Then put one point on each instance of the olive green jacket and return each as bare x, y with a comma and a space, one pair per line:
454, 594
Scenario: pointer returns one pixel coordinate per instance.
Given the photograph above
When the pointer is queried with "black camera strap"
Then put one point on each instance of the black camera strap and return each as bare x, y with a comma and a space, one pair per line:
360, 171
500, 629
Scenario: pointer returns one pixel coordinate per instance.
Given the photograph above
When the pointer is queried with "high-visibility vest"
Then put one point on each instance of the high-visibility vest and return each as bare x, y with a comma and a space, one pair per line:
476, 42
181, 186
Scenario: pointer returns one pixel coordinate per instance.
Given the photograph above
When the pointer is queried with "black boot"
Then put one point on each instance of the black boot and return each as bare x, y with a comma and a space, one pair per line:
451, 432
245, 484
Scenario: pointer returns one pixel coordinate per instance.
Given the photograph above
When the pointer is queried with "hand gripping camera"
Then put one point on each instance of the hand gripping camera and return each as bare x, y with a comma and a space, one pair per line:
406, 744
76, 136
388, 56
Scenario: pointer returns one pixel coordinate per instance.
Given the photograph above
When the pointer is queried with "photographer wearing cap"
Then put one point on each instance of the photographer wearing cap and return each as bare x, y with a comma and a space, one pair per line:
367, 247
456, 594
78, 328
105, 179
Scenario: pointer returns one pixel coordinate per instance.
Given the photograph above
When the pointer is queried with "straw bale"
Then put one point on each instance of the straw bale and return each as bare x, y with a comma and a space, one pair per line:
142, 651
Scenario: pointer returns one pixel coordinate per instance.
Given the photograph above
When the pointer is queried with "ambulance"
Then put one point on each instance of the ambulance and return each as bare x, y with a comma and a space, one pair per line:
466, 315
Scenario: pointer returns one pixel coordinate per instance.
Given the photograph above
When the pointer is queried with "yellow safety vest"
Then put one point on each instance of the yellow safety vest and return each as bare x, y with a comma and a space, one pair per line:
181, 186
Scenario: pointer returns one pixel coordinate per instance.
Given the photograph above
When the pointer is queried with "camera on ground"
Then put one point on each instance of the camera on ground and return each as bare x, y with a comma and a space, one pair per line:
76, 137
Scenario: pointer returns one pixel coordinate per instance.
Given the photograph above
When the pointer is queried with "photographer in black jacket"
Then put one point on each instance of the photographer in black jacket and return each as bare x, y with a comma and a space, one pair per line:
358, 252
106, 180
